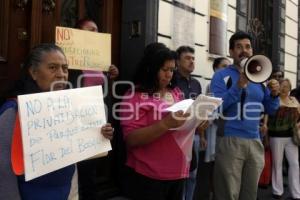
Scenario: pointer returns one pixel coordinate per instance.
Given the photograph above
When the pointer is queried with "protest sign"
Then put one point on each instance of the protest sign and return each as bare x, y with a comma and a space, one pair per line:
60, 128
85, 50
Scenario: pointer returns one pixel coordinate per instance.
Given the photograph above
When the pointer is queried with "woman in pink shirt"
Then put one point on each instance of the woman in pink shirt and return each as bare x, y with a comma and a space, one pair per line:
157, 156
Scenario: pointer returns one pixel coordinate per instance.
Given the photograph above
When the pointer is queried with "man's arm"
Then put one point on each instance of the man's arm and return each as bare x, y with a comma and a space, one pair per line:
219, 89
271, 98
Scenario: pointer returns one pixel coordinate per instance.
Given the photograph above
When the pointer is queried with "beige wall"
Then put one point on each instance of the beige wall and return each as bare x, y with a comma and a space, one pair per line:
200, 32
291, 41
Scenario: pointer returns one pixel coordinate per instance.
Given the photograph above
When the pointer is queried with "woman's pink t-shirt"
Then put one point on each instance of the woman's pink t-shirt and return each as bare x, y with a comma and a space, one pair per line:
92, 78
161, 159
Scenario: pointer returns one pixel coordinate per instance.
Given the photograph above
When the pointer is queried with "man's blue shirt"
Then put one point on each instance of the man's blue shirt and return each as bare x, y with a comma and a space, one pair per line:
242, 117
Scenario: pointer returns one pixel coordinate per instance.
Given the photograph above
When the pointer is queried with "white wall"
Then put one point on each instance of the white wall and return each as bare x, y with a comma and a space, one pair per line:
203, 64
203, 59
201, 34
165, 13
291, 41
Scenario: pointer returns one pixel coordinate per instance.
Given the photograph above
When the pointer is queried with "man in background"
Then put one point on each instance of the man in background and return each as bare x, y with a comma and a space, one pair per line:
191, 88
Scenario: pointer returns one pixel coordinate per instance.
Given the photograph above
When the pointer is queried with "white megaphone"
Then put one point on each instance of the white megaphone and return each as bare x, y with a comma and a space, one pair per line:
257, 68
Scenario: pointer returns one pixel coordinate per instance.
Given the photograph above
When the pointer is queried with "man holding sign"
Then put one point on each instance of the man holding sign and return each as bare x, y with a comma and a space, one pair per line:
44, 70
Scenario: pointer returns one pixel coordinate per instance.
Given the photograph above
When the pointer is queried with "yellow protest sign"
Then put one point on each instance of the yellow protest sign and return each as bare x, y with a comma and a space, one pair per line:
85, 50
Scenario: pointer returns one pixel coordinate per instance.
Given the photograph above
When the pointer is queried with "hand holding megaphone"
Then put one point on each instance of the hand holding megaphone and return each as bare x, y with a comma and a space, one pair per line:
274, 87
243, 81
257, 68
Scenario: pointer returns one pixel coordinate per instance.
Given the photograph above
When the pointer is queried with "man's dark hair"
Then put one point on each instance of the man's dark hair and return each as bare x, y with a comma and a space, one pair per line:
184, 49
277, 70
238, 36
274, 72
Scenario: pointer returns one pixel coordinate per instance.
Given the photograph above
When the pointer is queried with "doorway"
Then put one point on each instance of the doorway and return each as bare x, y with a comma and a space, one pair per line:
25, 23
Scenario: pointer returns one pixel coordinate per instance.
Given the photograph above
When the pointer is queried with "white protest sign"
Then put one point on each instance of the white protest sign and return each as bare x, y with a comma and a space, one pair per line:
60, 128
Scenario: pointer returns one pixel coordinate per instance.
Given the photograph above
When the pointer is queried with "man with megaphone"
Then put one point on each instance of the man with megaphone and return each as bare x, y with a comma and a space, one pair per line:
239, 151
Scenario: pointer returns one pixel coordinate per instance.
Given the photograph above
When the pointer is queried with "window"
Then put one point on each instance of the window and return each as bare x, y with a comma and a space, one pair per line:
282, 42
71, 9
241, 23
243, 7
242, 14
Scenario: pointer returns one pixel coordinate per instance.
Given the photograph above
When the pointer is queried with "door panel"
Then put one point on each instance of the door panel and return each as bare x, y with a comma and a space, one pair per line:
25, 23
14, 30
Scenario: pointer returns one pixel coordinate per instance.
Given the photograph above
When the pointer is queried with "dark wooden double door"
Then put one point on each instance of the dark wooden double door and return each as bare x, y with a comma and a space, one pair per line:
25, 23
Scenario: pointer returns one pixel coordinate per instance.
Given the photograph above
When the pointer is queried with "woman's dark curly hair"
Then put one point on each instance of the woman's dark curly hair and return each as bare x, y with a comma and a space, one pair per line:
146, 78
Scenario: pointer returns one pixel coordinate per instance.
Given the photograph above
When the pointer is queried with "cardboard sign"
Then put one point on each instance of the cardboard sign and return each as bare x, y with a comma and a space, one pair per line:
85, 50
61, 128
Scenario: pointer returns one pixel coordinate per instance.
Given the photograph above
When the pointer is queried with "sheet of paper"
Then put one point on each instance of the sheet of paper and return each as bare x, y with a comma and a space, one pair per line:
200, 109
182, 105
61, 128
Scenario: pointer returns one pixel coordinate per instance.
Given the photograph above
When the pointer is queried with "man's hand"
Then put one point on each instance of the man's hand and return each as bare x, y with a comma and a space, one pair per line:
203, 142
107, 131
203, 126
243, 81
113, 72
274, 87
263, 129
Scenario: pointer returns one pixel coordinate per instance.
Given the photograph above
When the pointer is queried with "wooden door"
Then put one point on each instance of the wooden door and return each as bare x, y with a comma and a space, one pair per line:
14, 40
25, 23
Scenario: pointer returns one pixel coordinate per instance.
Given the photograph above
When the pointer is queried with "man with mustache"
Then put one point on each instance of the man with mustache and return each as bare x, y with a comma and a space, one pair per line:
191, 88
239, 151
